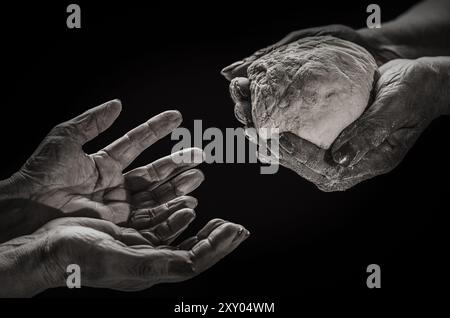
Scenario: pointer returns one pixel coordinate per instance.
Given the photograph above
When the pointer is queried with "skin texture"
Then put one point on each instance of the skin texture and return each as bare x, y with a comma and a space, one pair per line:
408, 96
110, 256
60, 179
133, 216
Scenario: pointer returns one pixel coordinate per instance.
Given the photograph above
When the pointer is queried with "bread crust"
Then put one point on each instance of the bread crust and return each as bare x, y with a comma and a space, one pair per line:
314, 87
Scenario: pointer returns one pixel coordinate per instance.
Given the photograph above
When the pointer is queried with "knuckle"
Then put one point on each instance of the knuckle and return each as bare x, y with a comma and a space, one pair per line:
153, 173
152, 133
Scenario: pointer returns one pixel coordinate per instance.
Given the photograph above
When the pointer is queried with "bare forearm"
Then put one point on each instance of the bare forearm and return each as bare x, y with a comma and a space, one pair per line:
421, 31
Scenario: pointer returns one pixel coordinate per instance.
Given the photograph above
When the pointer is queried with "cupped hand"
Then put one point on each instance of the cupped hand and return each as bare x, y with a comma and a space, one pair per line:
408, 95
62, 176
110, 256
237, 72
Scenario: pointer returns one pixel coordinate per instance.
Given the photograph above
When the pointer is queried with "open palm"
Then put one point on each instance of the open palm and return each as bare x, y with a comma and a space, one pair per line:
124, 259
61, 175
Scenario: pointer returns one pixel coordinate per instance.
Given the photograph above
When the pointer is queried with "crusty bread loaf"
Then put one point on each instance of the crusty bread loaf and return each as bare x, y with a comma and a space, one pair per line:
313, 87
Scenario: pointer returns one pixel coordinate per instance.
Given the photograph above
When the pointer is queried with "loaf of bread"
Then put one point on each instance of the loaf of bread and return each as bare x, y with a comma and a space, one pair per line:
313, 87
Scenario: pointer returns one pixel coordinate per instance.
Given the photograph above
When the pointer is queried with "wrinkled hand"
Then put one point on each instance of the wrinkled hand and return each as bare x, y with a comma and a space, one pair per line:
237, 71
380, 53
60, 175
408, 96
110, 256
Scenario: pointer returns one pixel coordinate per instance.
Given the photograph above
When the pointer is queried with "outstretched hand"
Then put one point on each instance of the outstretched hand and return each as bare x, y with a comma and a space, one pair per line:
61, 176
110, 256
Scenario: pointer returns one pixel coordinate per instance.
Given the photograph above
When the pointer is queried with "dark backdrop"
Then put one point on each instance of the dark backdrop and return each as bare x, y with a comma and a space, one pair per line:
162, 55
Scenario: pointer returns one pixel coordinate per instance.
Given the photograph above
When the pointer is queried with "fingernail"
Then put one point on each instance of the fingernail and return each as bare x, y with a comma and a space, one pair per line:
344, 155
193, 203
114, 106
238, 234
242, 85
286, 144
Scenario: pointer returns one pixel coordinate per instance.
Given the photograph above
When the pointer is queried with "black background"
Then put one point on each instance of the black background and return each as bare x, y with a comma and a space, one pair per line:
156, 56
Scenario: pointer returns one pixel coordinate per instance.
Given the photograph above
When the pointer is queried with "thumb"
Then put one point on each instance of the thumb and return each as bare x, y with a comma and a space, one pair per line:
358, 139
90, 124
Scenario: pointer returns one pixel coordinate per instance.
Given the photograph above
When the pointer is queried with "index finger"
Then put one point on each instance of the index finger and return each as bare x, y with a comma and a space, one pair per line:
125, 149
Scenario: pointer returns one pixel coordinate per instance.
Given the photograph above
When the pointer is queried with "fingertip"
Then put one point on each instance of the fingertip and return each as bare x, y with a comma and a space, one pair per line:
241, 235
195, 174
242, 86
114, 107
228, 70
225, 73
117, 101
227, 237
202, 175
191, 202
174, 116
187, 214
344, 155
230, 230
